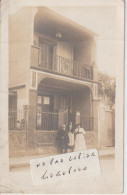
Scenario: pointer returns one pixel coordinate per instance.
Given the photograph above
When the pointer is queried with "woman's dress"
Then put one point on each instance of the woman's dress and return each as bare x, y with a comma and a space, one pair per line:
80, 144
71, 138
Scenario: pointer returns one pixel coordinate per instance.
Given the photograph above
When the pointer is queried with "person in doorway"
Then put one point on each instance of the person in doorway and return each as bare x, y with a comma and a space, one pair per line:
70, 130
62, 140
80, 143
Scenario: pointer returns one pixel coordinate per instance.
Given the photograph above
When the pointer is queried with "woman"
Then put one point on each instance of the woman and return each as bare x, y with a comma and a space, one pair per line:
71, 137
79, 139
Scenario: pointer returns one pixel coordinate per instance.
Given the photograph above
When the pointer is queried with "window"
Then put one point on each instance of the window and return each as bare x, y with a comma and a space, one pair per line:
46, 100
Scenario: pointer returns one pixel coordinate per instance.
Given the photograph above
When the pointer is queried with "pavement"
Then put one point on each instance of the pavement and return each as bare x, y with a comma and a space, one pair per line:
24, 161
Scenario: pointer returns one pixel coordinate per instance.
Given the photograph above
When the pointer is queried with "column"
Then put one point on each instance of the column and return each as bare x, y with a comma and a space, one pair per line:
95, 103
32, 118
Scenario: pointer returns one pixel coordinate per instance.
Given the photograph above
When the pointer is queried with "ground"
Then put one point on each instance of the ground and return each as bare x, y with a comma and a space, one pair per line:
106, 182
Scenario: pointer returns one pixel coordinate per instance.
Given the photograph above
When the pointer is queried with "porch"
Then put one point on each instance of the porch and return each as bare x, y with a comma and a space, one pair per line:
46, 129
55, 102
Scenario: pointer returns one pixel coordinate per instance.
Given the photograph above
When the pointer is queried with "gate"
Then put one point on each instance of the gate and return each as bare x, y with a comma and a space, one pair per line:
51, 120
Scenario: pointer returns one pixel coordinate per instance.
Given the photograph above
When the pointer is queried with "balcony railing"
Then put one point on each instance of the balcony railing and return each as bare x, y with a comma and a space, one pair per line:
58, 64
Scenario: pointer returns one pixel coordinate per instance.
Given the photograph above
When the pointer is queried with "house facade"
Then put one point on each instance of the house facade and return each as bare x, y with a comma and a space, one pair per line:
52, 78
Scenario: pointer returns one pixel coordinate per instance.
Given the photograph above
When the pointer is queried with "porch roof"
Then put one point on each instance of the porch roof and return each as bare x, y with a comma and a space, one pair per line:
50, 23
61, 85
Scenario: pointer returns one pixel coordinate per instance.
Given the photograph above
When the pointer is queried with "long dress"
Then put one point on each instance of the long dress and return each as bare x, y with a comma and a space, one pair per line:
80, 143
71, 138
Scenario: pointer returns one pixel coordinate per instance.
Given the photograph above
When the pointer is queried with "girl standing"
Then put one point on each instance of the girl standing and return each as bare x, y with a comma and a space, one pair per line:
80, 143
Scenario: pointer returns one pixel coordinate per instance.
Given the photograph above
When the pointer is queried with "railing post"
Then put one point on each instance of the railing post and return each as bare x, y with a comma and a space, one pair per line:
26, 112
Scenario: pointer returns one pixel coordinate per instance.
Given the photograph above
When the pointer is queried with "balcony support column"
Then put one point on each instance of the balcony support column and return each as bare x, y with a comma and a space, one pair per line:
95, 103
32, 118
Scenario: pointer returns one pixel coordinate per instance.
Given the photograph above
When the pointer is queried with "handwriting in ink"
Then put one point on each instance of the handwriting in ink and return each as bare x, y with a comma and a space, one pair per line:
71, 170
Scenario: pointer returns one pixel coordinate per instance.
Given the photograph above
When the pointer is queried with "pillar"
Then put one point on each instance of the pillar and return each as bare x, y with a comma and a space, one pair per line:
95, 103
32, 118
4, 134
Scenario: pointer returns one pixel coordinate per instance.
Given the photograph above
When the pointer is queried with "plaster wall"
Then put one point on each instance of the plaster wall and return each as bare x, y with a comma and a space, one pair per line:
20, 39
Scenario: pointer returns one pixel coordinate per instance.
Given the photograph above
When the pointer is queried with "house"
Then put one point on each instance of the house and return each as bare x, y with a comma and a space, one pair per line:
52, 78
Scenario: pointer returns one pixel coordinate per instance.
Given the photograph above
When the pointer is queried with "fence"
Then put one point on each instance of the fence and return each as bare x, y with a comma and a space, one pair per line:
87, 123
17, 120
45, 120
51, 120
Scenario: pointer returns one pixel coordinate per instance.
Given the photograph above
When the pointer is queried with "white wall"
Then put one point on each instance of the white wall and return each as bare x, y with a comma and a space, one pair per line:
20, 40
21, 98
64, 49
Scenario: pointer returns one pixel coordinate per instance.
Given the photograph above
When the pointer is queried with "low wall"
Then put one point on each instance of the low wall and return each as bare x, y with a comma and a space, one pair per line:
43, 138
17, 142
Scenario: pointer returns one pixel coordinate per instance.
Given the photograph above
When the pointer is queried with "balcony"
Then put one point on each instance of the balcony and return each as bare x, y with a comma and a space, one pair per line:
59, 65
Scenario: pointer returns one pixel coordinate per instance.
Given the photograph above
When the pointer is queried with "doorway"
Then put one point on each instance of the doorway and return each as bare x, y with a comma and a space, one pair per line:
48, 49
52, 111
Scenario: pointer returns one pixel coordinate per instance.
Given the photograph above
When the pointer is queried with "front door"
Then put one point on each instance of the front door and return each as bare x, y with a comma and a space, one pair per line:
47, 54
63, 106
52, 112
46, 118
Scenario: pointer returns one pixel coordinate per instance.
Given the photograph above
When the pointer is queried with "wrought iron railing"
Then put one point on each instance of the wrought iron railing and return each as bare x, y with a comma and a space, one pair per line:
51, 120
17, 119
87, 123
45, 120
58, 64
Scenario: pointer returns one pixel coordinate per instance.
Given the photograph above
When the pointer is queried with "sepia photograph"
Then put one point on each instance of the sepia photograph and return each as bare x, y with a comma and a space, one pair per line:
64, 91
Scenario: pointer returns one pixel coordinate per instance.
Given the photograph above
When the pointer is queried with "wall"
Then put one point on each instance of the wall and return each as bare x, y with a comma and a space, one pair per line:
20, 39
85, 51
106, 126
81, 101
17, 143
22, 98
65, 49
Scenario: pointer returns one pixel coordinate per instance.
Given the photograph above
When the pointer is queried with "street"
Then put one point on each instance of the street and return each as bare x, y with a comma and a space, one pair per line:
106, 182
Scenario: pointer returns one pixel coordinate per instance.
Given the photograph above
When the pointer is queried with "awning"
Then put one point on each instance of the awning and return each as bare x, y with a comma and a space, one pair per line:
51, 23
